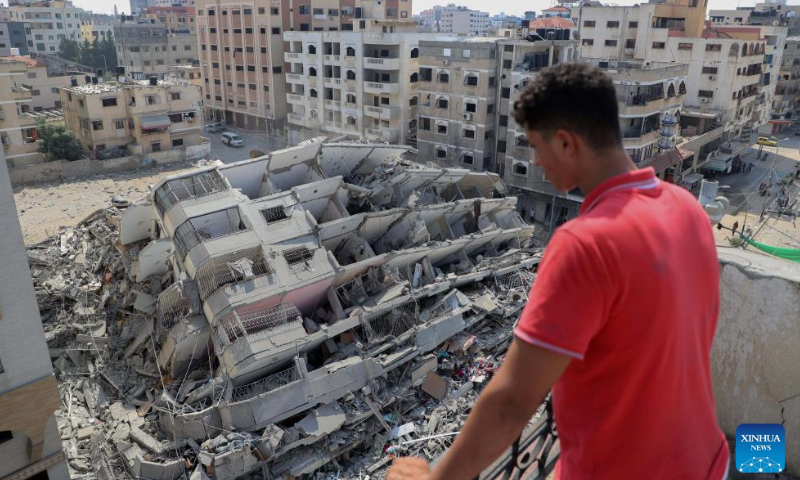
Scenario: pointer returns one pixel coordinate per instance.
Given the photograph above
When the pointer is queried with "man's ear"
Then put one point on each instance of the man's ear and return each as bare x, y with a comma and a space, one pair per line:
566, 142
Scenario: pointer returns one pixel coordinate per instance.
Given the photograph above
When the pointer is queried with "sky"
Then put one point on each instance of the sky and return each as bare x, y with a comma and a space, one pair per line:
516, 7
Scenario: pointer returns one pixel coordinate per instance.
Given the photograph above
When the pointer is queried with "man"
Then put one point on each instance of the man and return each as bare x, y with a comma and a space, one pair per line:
620, 320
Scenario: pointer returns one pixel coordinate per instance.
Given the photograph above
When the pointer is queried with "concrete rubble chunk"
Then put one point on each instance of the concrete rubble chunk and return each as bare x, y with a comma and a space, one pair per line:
435, 386
322, 420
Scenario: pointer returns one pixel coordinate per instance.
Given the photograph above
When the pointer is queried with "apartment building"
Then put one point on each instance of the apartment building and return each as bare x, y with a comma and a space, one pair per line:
457, 93
97, 27
17, 124
464, 21
359, 83
146, 49
558, 11
141, 116
30, 443
50, 21
43, 83
176, 19
785, 100
241, 51
14, 35
188, 73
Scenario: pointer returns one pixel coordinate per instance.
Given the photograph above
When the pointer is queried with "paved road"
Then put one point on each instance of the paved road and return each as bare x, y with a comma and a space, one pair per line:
266, 142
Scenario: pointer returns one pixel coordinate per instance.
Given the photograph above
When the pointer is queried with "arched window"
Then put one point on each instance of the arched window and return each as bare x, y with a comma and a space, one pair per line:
471, 79
313, 114
443, 77
415, 52
351, 75
682, 89
671, 91
351, 52
413, 101
441, 152
521, 169
734, 51
412, 124
351, 120
744, 50
442, 102
312, 72
522, 141
350, 98
312, 93
414, 77
312, 49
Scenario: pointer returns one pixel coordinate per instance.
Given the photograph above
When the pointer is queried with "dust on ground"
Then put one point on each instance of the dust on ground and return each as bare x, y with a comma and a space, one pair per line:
46, 207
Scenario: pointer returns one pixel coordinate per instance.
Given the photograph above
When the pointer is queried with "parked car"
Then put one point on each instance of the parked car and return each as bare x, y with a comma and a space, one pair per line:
215, 127
767, 141
232, 140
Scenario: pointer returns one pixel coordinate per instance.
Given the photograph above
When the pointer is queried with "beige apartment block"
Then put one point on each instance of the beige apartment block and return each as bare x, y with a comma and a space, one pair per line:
43, 86
457, 102
30, 443
187, 73
176, 19
242, 50
17, 125
146, 49
144, 116
360, 83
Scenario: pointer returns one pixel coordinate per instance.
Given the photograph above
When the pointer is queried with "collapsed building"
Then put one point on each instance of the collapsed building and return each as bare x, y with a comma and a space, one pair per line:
271, 317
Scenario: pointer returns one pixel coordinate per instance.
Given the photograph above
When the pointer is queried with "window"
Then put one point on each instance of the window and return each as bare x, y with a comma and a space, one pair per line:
445, 52
633, 24
713, 47
685, 46
175, 95
155, 146
333, 12
54, 90
276, 69
467, 158
612, 24
705, 94
507, 63
159, 62
503, 120
470, 107
587, 41
251, 68
97, 124
262, 10
611, 43
469, 133
217, 81
520, 169
442, 102
465, 54
110, 102
248, 11
441, 128
471, 80
119, 124
297, 255
443, 77
248, 30
441, 152
505, 92
274, 11
304, 10
240, 68
212, 30
490, 108
659, 45
710, 70
630, 43
177, 142
150, 99
588, 23
237, 31
276, 30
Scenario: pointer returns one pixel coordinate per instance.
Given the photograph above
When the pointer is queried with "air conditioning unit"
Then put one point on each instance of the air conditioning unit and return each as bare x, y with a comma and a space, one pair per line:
712, 77
467, 116
705, 100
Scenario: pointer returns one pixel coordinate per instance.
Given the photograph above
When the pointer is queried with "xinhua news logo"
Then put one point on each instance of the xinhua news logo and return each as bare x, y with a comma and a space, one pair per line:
760, 448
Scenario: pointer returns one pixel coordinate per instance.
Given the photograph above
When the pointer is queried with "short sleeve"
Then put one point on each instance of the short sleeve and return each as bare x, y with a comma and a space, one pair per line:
570, 298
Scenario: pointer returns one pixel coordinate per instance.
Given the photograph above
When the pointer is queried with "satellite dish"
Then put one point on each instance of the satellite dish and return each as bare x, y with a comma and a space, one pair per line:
255, 153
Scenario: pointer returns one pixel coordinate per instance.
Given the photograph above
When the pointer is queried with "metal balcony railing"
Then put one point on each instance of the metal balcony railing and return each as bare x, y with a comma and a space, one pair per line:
195, 186
276, 380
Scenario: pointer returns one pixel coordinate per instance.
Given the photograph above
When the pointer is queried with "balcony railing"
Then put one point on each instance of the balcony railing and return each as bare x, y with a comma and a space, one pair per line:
174, 191
266, 384
235, 267
258, 324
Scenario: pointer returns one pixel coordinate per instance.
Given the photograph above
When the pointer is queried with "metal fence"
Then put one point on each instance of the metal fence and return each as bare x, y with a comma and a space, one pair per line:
195, 230
231, 268
179, 189
266, 384
391, 324
173, 304
260, 323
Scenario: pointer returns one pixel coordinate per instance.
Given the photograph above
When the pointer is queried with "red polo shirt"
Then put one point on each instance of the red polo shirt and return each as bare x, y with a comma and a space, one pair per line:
630, 291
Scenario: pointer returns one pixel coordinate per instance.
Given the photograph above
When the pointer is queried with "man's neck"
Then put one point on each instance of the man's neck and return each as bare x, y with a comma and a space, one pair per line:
608, 164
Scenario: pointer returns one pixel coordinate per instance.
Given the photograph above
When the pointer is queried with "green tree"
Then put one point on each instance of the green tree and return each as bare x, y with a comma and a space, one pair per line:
69, 49
56, 143
86, 54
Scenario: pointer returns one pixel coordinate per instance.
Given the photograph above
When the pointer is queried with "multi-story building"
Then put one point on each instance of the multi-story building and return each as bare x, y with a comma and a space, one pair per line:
97, 27
17, 124
785, 100
146, 49
463, 21
50, 22
176, 19
361, 83
457, 102
30, 443
145, 116
42, 83
559, 11
187, 73
241, 51
15, 35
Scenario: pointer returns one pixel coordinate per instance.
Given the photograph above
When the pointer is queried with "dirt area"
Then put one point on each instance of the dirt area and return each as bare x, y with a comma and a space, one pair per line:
46, 207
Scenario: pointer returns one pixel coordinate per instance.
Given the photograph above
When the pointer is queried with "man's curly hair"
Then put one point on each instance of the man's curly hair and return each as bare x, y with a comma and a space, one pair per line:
575, 97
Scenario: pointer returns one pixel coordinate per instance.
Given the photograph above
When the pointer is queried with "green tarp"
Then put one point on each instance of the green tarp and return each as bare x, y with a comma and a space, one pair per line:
792, 254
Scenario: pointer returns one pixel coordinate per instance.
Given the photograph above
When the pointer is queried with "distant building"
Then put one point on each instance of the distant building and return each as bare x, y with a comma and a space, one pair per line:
459, 20
17, 124
97, 27
177, 19
145, 116
15, 35
557, 11
187, 73
41, 83
145, 49
49, 23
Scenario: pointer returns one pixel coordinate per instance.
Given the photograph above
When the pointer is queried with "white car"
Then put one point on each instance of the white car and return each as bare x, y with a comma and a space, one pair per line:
232, 140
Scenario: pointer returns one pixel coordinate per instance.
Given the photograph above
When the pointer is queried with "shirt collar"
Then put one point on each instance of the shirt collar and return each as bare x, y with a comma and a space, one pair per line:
643, 179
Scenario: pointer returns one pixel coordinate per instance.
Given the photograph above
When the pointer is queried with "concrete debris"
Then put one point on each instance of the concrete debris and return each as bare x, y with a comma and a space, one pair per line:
307, 313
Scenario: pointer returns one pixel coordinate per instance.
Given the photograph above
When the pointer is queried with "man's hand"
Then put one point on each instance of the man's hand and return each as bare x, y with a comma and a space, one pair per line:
409, 468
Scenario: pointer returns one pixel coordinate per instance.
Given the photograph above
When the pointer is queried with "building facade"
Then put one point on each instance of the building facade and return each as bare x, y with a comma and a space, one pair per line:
457, 102
176, 19
15, 35
360, 83
42, 84
143, 117
30, 445
146, 49
97, 27
17, 124
50, 22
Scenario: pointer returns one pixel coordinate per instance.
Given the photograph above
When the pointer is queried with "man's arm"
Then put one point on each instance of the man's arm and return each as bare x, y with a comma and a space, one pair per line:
501, 412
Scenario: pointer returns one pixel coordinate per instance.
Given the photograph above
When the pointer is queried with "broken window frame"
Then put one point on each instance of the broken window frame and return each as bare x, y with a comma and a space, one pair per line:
191, 233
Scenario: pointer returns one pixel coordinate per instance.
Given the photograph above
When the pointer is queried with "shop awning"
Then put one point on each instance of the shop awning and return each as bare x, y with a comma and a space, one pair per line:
663, 161
155, 121
692, 178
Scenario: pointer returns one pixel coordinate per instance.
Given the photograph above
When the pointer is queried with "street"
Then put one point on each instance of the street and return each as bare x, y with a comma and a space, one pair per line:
266, 142
747, 204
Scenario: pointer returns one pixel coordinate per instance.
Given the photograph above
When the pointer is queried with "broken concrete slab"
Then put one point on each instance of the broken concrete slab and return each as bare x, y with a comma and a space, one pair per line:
421, 369
435, 386
323, 420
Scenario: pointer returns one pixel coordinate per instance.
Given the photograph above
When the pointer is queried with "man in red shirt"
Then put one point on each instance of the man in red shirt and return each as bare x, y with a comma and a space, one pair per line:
620, 320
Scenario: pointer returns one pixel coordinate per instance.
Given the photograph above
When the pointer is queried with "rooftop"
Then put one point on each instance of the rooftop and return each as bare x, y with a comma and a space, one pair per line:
28, 61
105, 87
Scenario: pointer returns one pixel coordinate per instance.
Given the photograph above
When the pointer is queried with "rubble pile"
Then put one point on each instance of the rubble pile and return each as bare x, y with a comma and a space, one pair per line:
307, 314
